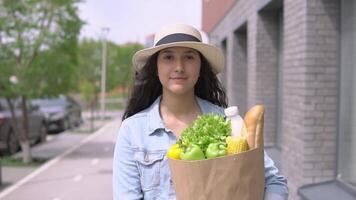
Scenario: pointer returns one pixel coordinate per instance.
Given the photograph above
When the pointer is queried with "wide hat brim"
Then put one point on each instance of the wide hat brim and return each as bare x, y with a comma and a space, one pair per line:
214, 55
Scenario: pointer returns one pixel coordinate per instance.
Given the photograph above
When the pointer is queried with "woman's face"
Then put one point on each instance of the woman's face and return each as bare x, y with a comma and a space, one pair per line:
178, 69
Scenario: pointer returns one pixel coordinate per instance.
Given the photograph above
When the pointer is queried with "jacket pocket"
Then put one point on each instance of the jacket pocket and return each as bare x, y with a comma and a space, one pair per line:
149, 165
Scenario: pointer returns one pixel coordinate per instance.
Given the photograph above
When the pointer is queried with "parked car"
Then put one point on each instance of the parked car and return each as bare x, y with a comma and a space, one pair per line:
61, 113
9, 142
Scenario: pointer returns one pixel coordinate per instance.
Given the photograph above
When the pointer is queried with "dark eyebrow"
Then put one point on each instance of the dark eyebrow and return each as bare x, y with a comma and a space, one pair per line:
166, 51
192, 51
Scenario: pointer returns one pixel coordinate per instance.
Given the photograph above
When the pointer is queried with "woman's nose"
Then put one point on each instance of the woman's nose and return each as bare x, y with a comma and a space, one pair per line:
179, 66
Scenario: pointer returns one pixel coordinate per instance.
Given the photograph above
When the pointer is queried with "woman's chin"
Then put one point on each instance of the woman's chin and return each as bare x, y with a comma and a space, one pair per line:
180, 89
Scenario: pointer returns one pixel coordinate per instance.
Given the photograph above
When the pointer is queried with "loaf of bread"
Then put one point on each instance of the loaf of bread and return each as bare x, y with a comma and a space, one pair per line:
254, 121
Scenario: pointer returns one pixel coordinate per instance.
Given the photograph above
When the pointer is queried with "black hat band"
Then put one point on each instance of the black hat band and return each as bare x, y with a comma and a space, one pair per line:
177, 37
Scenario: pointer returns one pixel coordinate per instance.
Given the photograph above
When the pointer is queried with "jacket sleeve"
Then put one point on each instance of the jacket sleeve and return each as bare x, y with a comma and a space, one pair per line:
276, 187
126, 178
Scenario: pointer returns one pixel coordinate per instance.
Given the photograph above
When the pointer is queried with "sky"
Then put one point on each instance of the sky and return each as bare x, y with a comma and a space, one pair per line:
134, 20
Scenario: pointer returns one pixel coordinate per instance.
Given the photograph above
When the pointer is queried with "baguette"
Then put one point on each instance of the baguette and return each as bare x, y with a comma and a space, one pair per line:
254, 121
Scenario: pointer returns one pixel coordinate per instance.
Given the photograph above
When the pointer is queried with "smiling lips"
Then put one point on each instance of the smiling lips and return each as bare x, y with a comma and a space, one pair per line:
178, 78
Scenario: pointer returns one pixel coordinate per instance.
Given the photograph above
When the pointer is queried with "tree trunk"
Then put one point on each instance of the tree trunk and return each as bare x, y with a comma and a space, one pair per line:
14, 123
25, 144
26, 151
21, 132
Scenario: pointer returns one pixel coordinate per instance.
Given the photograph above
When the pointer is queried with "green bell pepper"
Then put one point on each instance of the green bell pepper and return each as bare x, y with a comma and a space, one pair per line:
215, 150
192, 152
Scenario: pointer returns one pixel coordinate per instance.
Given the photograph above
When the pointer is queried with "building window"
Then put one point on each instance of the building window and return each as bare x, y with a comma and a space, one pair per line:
239, 69
270, 52
347, 123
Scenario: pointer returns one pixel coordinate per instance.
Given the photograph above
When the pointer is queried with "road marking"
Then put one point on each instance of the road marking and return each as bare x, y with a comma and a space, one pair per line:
104, 129
94, 161
77, 178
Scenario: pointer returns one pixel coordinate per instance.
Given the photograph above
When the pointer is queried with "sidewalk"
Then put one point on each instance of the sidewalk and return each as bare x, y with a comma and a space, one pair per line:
54, 146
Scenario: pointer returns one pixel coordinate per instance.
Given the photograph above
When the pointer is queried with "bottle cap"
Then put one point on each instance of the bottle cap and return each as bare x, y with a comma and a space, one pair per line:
231, 111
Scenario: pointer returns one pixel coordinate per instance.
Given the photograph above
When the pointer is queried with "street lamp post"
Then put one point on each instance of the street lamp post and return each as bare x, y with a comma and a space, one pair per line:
105, 31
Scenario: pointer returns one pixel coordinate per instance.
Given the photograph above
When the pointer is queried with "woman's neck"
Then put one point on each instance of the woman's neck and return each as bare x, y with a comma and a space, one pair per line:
179, 105
178, 111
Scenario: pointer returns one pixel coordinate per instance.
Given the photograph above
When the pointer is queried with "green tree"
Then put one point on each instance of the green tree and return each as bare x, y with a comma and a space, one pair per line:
122, 73
89, 62
89, 67
119, 66
38, 45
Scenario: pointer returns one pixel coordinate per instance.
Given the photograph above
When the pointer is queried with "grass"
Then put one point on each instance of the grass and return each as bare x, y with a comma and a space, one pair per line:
115, 106
116, 103
119, 95
111, 105
8, 161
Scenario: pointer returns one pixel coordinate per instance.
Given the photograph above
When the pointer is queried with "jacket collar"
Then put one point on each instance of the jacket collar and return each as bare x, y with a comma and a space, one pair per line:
155, 121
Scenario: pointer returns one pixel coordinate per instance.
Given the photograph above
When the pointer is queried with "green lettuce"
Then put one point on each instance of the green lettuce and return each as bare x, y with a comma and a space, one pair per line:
206, 129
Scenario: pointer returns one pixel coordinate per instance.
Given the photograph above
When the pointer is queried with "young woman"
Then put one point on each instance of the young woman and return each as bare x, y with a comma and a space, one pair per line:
175, 82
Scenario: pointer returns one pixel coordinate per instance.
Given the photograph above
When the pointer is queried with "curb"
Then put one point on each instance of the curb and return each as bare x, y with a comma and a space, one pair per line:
54, 160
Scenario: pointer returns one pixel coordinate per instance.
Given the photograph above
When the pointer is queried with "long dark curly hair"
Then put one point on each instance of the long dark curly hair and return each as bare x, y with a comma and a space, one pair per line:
147, 87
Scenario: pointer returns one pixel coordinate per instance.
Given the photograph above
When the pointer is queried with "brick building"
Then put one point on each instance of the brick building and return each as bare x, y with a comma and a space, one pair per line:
298, 58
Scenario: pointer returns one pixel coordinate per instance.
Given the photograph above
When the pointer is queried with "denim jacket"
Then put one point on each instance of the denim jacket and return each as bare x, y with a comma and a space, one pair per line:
140, 166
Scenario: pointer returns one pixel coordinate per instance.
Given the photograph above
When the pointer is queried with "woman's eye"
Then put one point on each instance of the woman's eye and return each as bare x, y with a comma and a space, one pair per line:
189, 57
168, 57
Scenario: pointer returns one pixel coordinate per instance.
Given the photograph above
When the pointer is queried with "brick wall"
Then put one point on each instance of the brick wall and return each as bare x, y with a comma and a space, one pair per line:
309, 80
311, 44
294, 92
321, 82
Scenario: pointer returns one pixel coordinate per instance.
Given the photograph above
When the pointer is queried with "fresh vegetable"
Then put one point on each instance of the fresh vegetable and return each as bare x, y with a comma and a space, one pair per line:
215, 150
174, 151
192, 152
206, 129
236, 144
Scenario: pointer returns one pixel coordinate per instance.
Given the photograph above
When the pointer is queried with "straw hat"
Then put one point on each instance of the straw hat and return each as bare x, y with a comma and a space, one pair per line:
181, 35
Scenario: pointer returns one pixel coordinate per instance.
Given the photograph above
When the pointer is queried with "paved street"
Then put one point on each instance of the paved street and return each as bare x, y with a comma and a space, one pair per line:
83, 171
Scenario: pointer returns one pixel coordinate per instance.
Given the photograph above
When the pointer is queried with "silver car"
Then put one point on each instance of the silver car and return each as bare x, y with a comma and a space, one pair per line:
9, 143
61, 113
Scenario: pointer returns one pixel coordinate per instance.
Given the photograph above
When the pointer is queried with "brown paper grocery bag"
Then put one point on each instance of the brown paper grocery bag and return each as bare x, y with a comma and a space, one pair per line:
238, 176
233, 177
